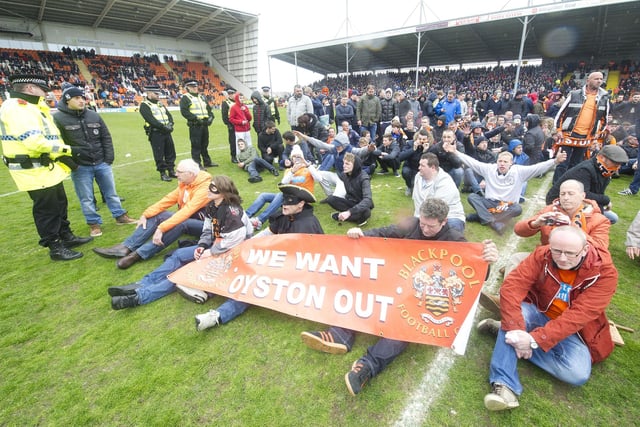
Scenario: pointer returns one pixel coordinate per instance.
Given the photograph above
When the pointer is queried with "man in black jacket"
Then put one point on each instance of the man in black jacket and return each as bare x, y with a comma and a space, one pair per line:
432, 225
85, 129
225, 105
595, 174
357, 203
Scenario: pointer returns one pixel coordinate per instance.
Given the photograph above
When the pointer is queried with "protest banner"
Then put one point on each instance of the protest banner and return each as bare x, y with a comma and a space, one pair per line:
411, 290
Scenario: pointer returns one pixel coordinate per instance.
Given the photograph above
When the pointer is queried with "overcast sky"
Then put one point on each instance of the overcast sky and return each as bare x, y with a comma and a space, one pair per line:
287, 23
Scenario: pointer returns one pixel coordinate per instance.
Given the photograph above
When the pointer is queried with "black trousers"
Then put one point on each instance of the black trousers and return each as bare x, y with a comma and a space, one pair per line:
232, 140
341, 204
50, 213
164, 151
199, 136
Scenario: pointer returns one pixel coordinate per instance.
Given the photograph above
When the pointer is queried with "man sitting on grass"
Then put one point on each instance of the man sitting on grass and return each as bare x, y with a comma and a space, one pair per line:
249, 161
553, 314
430, 226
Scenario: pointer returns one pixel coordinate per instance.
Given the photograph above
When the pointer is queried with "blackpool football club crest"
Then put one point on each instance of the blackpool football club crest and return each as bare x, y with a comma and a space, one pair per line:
437, 295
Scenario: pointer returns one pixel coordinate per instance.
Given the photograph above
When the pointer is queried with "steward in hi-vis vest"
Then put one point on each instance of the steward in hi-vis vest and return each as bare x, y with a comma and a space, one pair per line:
199, 115
158, 125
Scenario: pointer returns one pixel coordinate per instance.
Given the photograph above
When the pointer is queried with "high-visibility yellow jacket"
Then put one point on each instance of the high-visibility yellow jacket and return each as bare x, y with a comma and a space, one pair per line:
27, 129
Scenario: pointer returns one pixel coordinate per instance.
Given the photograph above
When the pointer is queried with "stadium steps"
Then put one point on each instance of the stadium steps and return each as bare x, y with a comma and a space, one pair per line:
84, 70
613, 79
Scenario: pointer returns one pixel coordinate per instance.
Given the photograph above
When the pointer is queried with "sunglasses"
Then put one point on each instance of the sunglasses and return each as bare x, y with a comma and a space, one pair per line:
213, 188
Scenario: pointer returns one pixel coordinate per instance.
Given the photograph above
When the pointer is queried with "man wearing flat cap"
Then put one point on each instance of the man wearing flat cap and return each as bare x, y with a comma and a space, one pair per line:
38, 162
195, 108
158, 125
595, 173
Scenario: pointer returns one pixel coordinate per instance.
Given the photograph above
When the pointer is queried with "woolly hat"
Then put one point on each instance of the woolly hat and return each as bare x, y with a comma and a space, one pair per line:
296, 151
69, 91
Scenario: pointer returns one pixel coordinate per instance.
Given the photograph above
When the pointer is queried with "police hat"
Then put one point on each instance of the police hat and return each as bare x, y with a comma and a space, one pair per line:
266, 88
615, 154
230, 90
37, 79
191, 82
152, 89
294, 194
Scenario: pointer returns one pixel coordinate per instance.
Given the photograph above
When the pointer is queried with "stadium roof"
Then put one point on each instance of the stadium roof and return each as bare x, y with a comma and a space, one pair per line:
177, 19
591, 30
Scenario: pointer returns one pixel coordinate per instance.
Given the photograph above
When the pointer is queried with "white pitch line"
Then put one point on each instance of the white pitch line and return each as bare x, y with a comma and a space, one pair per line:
121, 165
416, 410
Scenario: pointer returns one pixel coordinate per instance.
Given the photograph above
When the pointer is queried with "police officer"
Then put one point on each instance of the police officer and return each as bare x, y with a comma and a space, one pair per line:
158, 124
38, 162
225, 106
271, 102
195, 108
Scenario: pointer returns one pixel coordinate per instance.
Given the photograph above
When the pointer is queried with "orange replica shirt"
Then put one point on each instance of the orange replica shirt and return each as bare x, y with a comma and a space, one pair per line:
561, 300
584, 121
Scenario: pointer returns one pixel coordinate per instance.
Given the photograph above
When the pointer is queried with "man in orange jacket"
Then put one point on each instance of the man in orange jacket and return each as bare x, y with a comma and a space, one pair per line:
162, 226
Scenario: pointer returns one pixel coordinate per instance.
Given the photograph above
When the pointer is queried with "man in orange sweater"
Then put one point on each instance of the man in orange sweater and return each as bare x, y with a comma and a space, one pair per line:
162, 226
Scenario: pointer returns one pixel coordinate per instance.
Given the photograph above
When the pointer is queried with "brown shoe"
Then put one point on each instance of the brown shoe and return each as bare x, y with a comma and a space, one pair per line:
127, 261
96, 231
490, 302
125, 219
117, 251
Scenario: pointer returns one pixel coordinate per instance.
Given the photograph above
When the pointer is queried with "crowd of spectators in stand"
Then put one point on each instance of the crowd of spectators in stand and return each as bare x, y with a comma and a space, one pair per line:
119, 81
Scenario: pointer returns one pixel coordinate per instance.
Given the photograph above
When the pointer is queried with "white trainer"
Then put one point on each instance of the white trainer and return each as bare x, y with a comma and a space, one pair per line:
207, 320
194, 295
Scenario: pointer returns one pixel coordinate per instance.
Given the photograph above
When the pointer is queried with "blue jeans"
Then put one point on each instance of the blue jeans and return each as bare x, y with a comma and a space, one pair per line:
274, 200
83, 183
611, 216
457, 174
378, 356
635, 182
230, 309
569, 361
372, 128
257, 165
471, 179
155, 285
140, 241
456, 223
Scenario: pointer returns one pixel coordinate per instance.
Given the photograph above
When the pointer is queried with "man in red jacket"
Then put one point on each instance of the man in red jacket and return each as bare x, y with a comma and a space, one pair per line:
553, 314
240, 118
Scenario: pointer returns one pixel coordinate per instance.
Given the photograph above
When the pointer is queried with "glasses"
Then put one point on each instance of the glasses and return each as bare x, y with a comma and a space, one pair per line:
179, 171
568, 254
213, 188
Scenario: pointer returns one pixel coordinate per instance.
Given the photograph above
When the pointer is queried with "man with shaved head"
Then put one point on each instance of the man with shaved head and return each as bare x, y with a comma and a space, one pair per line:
553, 314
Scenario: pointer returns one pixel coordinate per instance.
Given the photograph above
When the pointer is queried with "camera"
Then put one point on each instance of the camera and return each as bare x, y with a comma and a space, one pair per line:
554, 221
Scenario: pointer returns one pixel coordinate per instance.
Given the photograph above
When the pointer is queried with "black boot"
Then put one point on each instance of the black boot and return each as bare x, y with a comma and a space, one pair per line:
119, 291
164, 177
59, 252
171, 173
70, 240
125, 301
